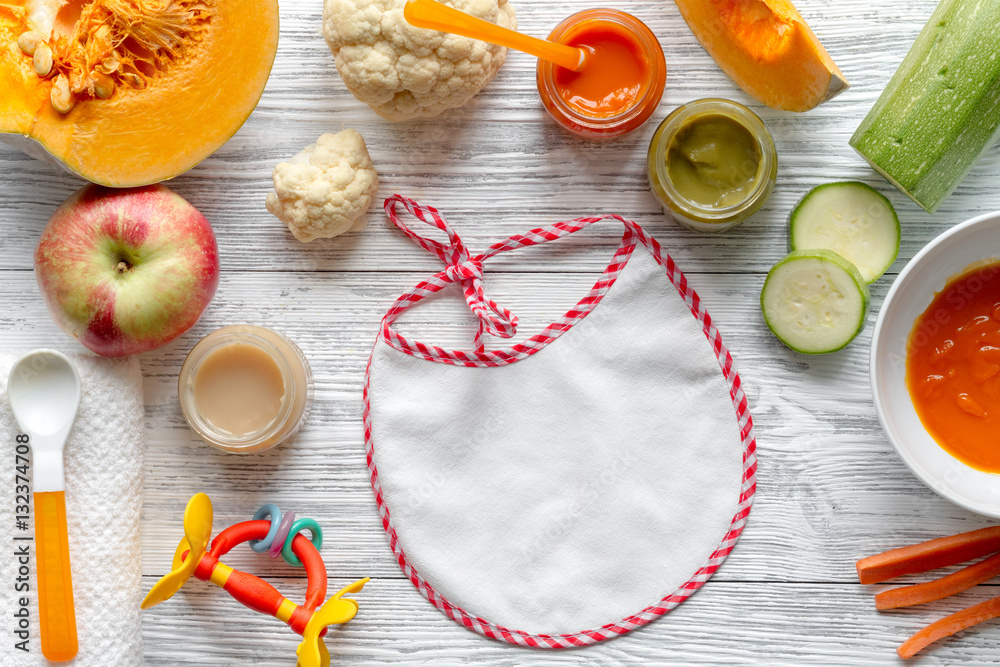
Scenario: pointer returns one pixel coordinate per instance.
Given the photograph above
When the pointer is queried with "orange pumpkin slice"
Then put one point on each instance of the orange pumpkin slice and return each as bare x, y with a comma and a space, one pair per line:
131, 92
767, 49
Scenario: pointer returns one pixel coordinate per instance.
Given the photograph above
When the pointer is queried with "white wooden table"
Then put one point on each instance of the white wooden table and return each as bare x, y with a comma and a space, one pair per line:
830, 487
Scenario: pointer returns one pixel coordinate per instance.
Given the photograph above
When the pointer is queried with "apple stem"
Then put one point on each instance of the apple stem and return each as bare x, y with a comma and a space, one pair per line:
124, 267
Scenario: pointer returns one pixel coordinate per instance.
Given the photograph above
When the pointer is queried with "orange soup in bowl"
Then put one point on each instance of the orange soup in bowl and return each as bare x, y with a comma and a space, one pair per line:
953, 367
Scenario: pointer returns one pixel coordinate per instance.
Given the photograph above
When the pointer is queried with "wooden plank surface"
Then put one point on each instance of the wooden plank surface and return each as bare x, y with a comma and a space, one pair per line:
831, 489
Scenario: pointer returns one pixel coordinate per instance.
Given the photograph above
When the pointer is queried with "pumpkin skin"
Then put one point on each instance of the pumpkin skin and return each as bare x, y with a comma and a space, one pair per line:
767, 49
145, 134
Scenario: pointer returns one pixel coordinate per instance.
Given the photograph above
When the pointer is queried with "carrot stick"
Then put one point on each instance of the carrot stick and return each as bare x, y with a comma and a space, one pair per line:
949, 625
930, 555
966, 578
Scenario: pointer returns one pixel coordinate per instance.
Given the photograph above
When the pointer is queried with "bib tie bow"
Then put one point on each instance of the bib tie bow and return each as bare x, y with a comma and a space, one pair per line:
468, 270
460, 267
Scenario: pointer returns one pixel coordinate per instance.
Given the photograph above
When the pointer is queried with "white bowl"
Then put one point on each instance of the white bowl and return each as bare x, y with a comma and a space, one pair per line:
947, 256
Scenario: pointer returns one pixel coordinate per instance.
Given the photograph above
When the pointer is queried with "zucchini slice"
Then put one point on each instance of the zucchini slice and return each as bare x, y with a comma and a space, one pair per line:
815, 301
853, 220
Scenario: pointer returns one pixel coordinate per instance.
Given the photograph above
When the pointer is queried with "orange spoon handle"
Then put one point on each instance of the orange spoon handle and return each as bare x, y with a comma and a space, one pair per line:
433, 15
57, 614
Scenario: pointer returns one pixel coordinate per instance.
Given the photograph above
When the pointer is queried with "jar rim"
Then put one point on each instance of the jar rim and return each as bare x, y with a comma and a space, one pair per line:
676, 120
231, 335
651, 49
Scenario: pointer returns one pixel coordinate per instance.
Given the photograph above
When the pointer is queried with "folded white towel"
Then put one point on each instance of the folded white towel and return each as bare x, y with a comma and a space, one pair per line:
103, 504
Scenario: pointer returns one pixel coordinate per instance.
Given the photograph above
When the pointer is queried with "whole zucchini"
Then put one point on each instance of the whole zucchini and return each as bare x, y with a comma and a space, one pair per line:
941, 110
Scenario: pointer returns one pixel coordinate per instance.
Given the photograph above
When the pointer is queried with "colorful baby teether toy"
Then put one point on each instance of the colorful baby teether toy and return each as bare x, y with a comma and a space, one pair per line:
278, 535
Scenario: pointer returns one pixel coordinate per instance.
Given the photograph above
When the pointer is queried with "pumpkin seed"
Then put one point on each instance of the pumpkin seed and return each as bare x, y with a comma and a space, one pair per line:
133, 80
62, 98
29, 41
100, 41
109, 65
104, 85
42, 59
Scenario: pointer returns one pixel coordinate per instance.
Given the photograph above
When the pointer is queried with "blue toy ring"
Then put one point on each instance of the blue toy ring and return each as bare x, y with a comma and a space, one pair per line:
302, 524
270, 510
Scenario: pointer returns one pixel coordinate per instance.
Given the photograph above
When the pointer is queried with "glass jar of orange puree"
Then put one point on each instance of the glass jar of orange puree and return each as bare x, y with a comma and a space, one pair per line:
621, 83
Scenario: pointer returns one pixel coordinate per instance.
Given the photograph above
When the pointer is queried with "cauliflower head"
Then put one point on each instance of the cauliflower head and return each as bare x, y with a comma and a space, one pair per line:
404, 72
326, 189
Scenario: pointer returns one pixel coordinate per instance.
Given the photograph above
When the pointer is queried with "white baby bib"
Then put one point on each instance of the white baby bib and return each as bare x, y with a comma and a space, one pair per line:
576, 485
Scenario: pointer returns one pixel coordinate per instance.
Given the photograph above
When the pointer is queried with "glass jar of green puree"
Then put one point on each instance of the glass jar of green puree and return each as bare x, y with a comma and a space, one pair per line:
712, 164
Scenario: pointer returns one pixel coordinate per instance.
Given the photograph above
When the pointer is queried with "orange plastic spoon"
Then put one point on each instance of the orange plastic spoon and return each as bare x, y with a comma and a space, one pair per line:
435, 16
44, 393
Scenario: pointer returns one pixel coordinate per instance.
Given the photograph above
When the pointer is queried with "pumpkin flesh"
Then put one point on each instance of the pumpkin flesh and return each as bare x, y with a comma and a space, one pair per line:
767, 49
185, 73
17, 109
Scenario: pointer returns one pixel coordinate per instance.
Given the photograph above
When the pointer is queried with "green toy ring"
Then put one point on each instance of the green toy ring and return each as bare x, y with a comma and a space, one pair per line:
302, 524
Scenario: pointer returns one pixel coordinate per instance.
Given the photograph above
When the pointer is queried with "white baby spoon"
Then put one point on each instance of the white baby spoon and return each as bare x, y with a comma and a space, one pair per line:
44, 392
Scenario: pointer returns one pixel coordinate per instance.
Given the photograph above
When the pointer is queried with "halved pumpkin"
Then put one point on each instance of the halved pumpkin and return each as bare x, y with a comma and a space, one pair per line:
767, 49
138, 91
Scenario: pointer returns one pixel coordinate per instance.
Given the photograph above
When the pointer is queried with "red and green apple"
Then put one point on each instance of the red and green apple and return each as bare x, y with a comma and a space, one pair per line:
127, 271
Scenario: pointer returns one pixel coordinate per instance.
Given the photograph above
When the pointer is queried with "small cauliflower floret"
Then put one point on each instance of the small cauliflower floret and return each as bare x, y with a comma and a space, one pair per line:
404, 72
325, 190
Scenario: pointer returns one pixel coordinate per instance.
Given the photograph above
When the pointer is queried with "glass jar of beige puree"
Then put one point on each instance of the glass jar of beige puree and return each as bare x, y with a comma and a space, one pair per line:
712, 164
245, 388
